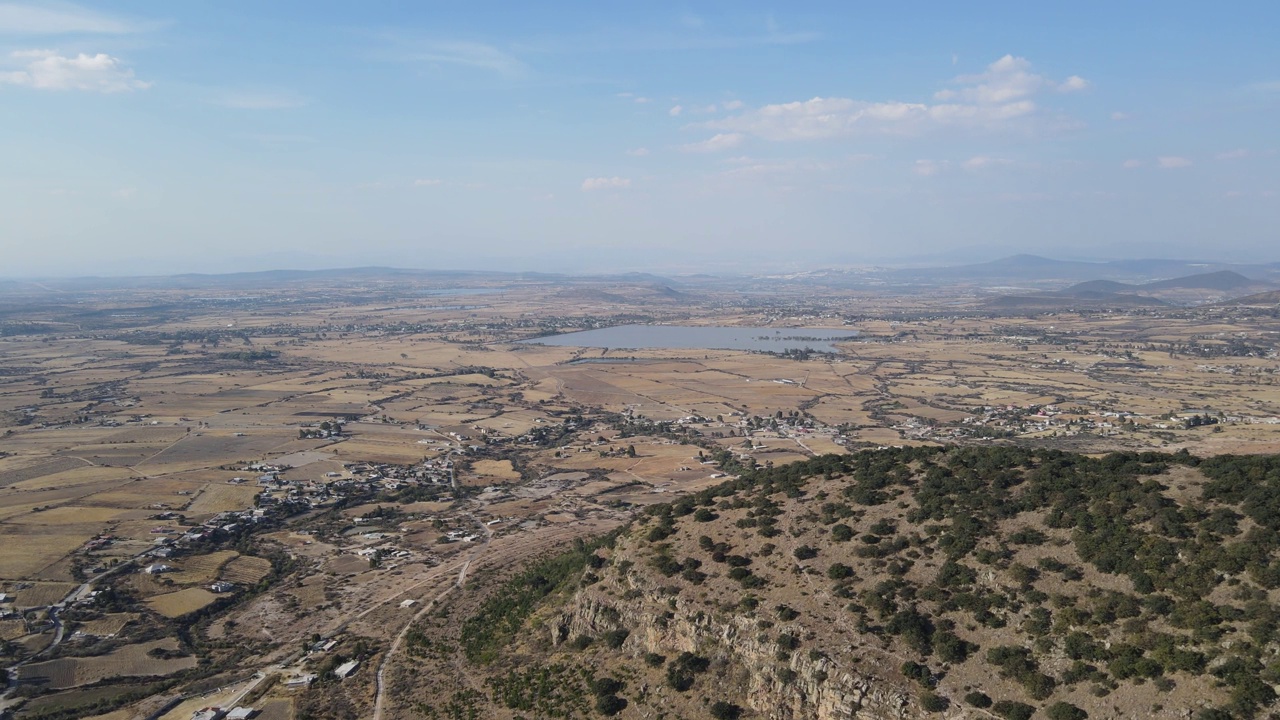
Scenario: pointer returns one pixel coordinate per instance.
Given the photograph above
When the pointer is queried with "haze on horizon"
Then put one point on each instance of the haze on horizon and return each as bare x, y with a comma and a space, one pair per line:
143, 138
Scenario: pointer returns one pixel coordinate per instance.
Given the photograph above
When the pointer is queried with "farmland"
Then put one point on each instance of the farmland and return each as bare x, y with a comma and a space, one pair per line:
199, 495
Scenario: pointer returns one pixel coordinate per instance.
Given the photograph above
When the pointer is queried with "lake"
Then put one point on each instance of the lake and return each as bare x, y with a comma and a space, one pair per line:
680, 337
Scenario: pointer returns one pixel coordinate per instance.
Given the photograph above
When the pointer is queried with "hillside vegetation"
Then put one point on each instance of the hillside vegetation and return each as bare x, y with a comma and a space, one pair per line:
997, 582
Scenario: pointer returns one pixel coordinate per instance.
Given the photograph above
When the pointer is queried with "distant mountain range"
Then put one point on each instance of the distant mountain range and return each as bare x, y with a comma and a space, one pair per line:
1191, 289
1050, 281
1223, 280
1041, 271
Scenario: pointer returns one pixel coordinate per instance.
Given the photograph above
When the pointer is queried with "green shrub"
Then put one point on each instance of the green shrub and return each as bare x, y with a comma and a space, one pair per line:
1013, 710
721, 710
932, 702
610, 705
978, 699
1065, 711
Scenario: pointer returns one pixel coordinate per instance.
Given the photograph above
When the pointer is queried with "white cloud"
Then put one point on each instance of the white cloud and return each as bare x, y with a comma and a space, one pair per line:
47, 70
991, 99
642, 100
638, 152
605, 183
1232, 154
1119, 116
978, 162
734, 105
1171, 162
58, 19
928, 168
427, 182
125, 193
715, 143
1075, 83
1131, 164
675, 111
466, 54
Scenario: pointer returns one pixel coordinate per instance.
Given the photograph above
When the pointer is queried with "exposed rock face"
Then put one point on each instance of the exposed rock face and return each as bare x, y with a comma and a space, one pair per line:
816, 688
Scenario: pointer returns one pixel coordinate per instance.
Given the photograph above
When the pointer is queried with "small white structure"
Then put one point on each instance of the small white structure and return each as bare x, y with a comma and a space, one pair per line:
158, 568
241, 713
346, 668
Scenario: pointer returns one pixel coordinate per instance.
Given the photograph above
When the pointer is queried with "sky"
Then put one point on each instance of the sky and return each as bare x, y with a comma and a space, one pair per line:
202, 136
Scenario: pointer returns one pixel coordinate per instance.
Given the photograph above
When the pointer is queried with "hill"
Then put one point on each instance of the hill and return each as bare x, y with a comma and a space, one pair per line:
1224, 280
1267, 298
1119, 275
978, 582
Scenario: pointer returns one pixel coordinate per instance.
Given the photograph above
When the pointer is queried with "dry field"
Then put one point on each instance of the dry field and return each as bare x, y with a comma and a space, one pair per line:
201, 569
177, 604
128, 661
246, 570
107, 625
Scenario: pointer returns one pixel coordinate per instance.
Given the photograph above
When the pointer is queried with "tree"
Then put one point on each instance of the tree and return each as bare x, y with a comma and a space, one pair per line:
631, 451
721, 710
1065, 711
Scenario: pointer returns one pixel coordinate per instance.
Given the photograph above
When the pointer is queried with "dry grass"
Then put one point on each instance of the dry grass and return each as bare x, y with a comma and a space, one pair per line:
128, 661
201, 569
177, 604
21, 558
40, 594
107, 625
216, 498
246, 570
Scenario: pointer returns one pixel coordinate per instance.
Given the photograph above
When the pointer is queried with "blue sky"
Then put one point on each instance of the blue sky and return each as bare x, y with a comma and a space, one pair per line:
145, 137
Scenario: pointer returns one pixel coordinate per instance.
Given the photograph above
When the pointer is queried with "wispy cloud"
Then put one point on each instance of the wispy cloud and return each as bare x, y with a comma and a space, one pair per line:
1172, 162
979, 162
464, 54
1232, 154
258, 99
1119, 116
638, 152
605, 183
47, 70
716, 143
1001, 94
1268, 86
1132, 164
428, 182
61, 19
675, 110
929, 168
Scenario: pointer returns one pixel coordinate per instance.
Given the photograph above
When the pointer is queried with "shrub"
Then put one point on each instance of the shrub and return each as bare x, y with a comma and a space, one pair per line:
842, 533
684, 669
610, 705
721, 710
804, 552
1013, 710
978, 699
1065, 711
615, 638
932, 702
839, 571
606, 686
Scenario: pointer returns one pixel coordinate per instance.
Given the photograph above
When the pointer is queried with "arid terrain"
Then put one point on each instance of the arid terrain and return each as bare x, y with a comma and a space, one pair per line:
293, 493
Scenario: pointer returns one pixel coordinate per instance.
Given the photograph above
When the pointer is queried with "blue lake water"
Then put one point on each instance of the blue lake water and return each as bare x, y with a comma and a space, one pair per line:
680, 337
